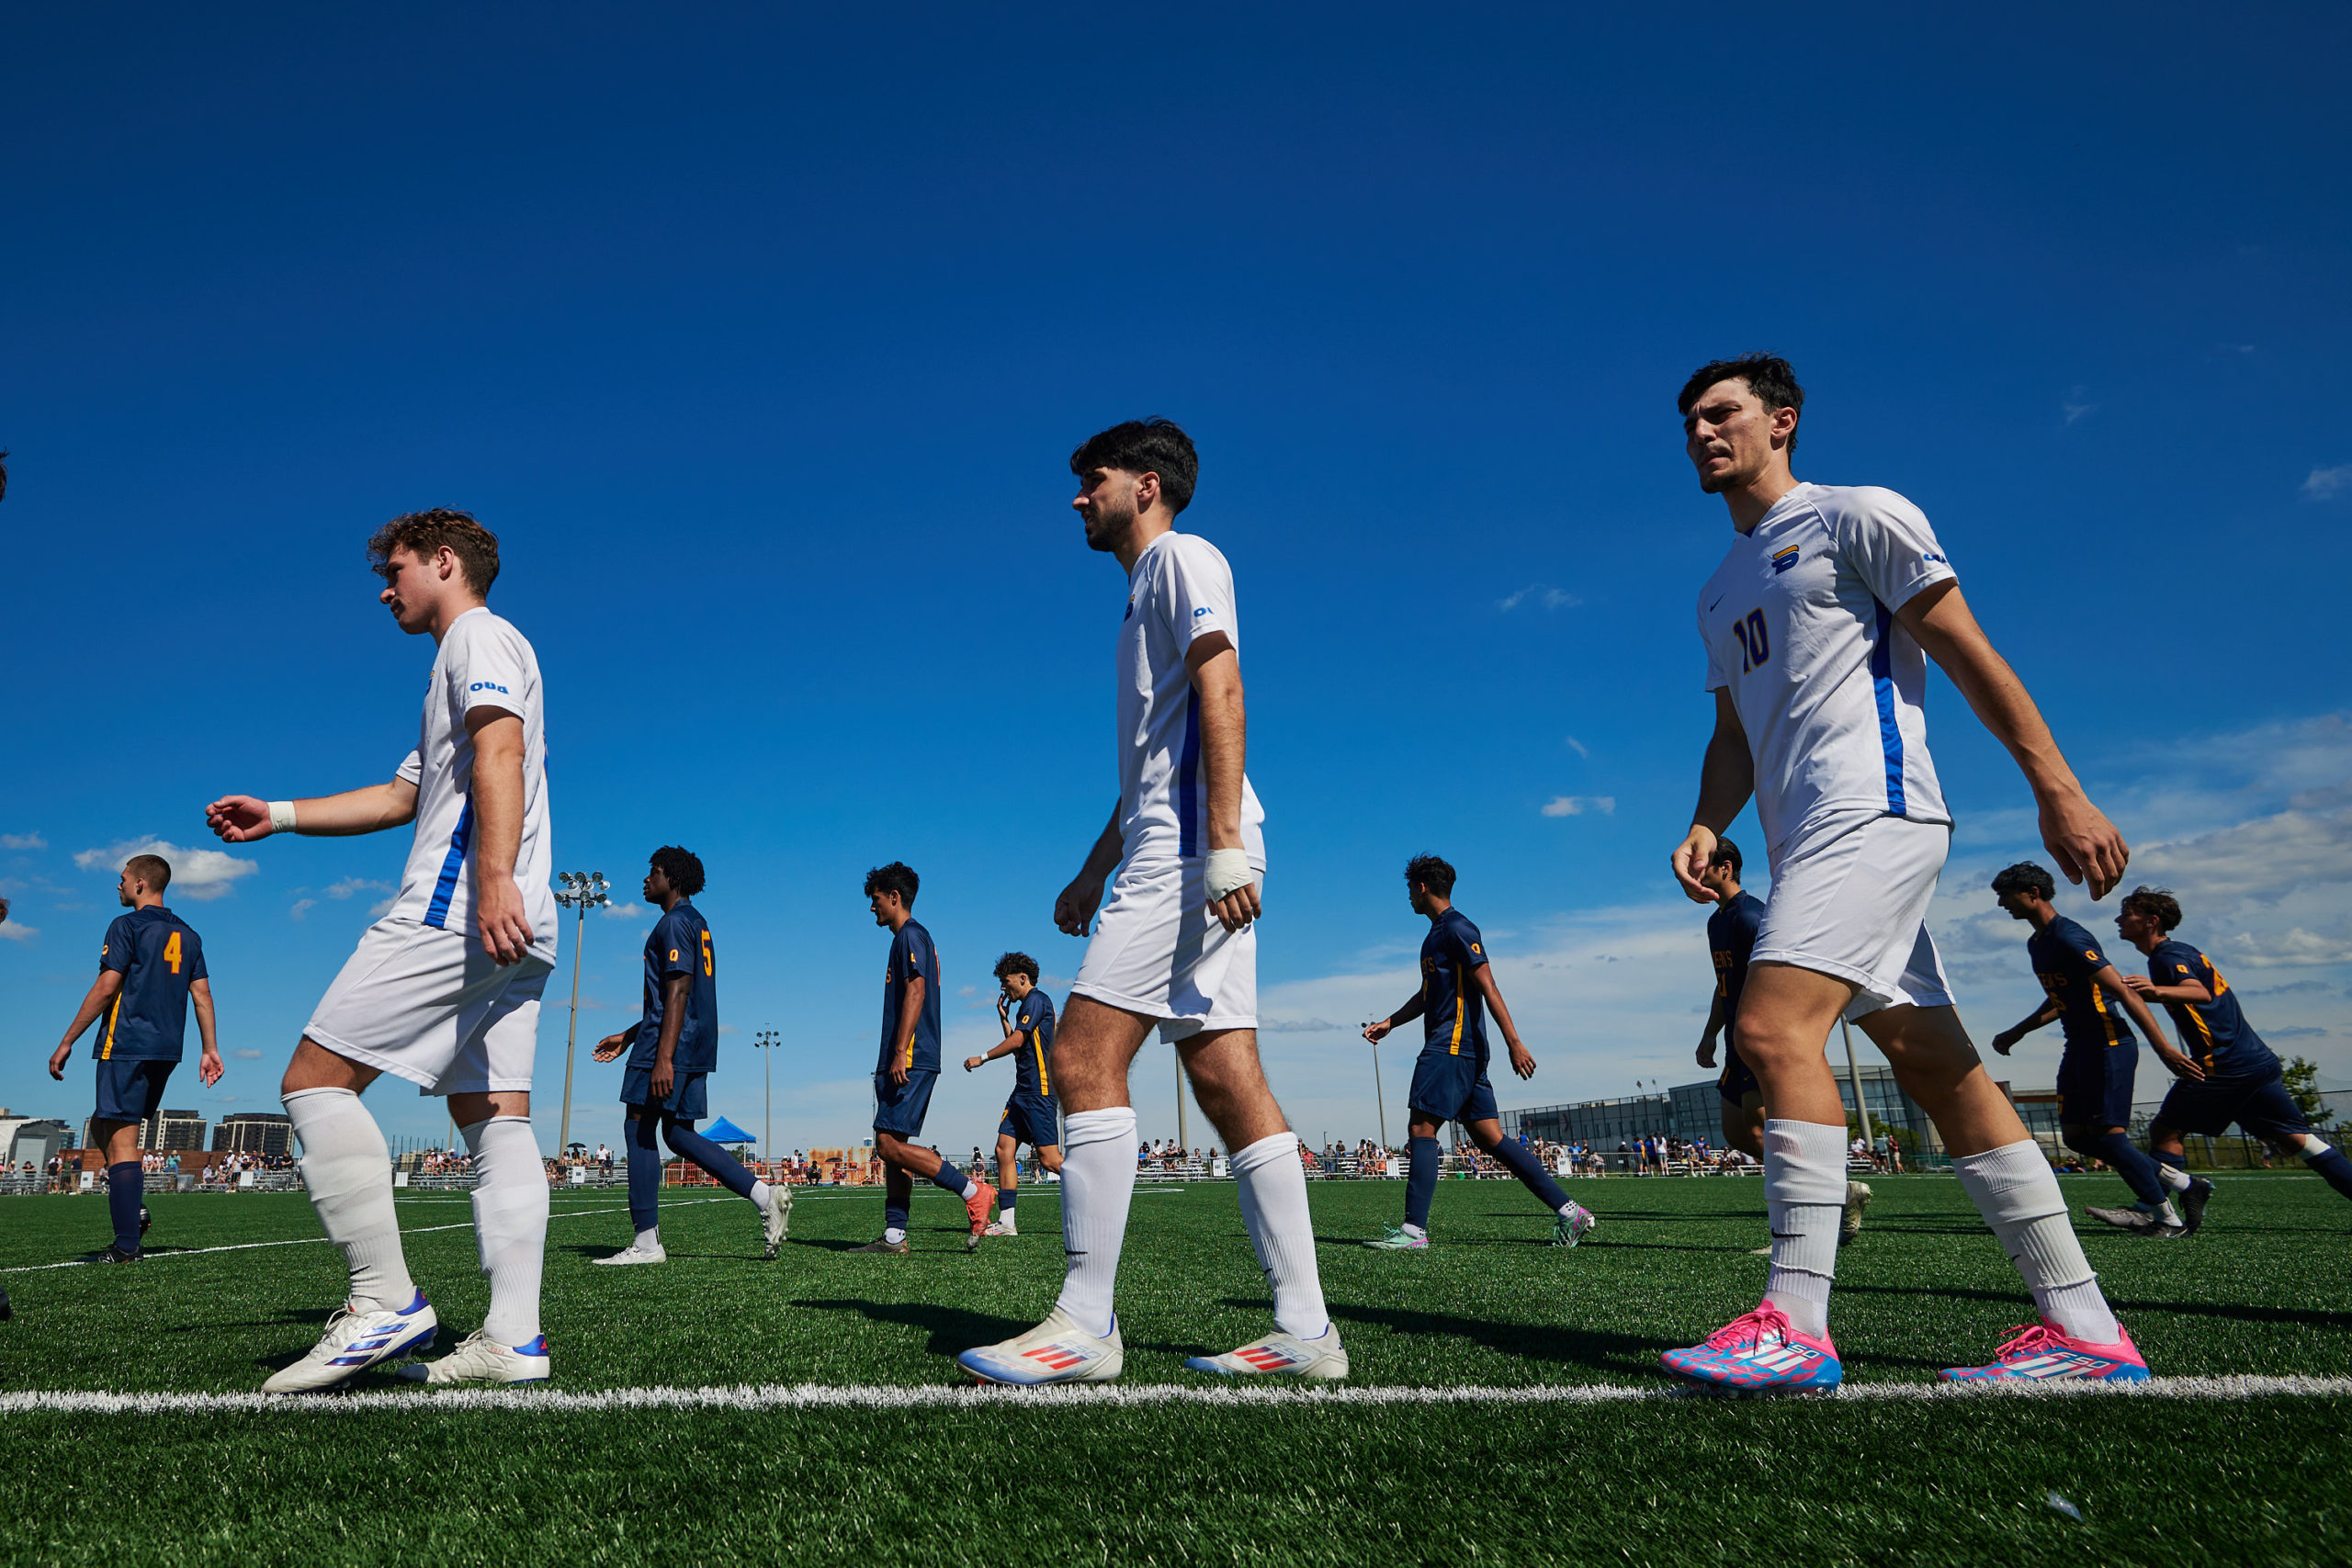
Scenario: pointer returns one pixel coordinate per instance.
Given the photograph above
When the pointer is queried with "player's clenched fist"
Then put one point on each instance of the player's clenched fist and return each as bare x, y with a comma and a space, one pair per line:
239, 818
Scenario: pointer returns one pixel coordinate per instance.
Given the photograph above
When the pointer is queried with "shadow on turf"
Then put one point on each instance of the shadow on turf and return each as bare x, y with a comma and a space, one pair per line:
1545, 1342
2242, 1313
952, 1329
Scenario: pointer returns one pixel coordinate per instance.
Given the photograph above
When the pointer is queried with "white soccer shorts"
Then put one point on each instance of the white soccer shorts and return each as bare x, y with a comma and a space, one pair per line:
1854, 904
428, 1005
1158, 951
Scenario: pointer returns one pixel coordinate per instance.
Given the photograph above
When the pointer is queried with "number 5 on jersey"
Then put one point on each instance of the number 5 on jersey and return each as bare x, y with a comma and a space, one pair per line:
1755, 647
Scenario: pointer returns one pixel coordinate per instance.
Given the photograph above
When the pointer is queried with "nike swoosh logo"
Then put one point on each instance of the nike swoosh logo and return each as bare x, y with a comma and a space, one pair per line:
1718, 599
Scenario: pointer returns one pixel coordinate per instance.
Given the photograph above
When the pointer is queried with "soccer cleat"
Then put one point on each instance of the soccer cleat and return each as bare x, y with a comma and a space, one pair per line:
2165, 1233
1398, 1239
2123, 1219
355, 1341
2199, 1193
633, 1253
1056, 1350
978, 1206
1573, 1226
775, 1220
110, 1252
479, 1359
882, 1244
1281, 1355
1761, 1352
1001, 1227
1857, 1198
145, 1219
2041, 1354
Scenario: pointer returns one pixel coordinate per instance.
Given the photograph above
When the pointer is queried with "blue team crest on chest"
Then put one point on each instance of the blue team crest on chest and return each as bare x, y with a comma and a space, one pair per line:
1783, 558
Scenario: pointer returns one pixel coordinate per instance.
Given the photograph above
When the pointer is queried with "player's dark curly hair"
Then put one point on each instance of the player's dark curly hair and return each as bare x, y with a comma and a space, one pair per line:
423, 532
681, 867
1725, 850
1767, 375
2026, 877
1017, 964
1152, 445
896, 878
2156, 903
1428, 870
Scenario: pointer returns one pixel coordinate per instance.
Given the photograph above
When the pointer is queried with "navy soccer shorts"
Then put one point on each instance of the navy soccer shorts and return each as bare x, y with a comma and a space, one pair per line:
900, 1107
2094, 1085
1447, 1088
1029, 1119
689, 1094
131, 1090
2263, 1108
1738, 1080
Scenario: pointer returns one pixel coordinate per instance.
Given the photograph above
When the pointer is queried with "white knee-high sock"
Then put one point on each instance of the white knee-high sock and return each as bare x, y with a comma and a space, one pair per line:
510, 1223
1273, 1207
2012, 1187
348, 1172
1098, 1184
1804, 1194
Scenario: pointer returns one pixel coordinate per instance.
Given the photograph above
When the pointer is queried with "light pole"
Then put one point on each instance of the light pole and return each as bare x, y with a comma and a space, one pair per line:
1184, 1139
767, 1040
581, 891
1379, 1094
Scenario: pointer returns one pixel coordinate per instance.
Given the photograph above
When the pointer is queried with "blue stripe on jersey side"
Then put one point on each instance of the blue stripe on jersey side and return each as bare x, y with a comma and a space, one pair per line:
437, 914
1188, 779
1889, 733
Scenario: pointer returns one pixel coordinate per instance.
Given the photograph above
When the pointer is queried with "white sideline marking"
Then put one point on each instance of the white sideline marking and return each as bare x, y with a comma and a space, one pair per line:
824, 1397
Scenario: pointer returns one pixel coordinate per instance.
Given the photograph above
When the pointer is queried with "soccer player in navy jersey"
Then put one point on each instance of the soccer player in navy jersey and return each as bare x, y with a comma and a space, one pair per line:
2241, 1081
1450, 1079
1030, 1116
2095, 1075
1731, 937
909, 1067
672, 1049
149, 972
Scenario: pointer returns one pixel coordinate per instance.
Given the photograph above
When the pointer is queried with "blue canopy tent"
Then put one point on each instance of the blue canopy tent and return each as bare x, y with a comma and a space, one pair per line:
725, 1132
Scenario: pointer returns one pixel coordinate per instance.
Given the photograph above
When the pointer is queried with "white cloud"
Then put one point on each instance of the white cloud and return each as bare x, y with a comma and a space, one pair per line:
246, 1055
1580, 804
2326, 484
16, 931
1542, 593
2074, 405
1579, 747
351, 885
300, 908
23, 841
627, 911
200, 875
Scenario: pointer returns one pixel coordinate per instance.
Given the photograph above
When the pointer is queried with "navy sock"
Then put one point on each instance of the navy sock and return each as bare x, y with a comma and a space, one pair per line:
2139, 1172
1004, 1197
1421, 1185
949, 1180
126, 1185
729, 1170
644, 1173
898, 1197
2333, 1169
1523, 1165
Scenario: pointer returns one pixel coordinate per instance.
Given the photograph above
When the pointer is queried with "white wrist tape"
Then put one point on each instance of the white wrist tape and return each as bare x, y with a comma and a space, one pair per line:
281, 816
1228, 870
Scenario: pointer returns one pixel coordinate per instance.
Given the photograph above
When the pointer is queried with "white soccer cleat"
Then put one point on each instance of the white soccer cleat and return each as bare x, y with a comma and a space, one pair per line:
633, 1253
1281, 1355
1056, 1350
1857, 1198
355, 1341
776, 1218
1001, 1227
481, 1359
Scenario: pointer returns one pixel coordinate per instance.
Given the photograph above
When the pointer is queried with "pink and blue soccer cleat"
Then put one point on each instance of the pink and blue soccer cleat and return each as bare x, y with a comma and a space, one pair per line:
2041, 1354
1760, 1353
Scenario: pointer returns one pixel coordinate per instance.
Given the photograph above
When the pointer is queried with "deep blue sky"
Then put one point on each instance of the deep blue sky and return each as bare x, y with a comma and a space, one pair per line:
762, 341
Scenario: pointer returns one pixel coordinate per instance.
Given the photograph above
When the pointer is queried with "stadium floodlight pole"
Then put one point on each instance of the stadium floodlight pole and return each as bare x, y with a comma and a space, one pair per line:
1379, 1095
1184, 1139
1854, 1077
765, 1041
581, 891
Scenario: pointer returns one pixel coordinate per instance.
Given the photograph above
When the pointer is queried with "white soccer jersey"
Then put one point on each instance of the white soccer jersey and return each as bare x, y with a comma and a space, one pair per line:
1799, 624
483, 662
1181, 590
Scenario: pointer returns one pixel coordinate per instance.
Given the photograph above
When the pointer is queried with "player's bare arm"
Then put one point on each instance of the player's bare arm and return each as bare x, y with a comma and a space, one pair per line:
498, 817
2086, 845
1074, 910
102, 991
207, 1066
2113, 982
1005, 1047
1521, 1062
910, 1015
1715, 1022
1376, 1032
2046, 1013
612, 1045
2186, 991
242, 820
677, 995
1216, 669
1726, 779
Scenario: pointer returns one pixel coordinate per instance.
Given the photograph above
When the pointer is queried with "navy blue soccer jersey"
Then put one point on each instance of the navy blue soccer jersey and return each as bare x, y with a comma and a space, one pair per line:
911, 954
680, 944
160, 959
2215, 1032
1033, 1062
1453, 1010
1731, 937
2064, 958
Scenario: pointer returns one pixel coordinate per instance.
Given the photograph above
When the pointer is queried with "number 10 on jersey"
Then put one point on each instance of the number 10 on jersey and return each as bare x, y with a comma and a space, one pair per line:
1754, 645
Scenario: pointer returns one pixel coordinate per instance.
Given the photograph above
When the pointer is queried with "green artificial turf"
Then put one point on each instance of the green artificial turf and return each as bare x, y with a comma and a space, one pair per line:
2267, 1288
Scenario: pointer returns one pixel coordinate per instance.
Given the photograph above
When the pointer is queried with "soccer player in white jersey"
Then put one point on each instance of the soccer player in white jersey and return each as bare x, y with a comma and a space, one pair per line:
444, 991
1177, 943
1818, 626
